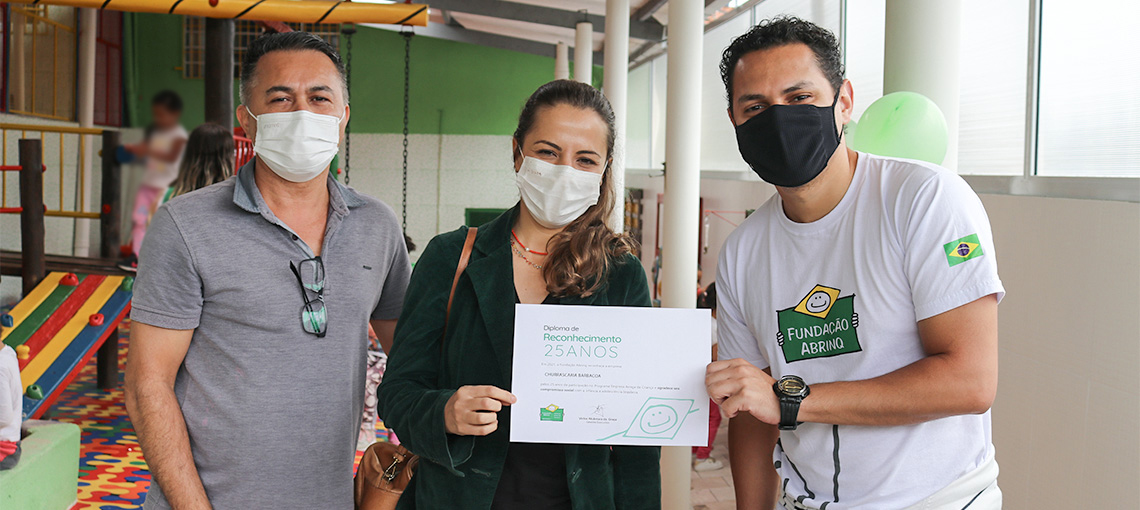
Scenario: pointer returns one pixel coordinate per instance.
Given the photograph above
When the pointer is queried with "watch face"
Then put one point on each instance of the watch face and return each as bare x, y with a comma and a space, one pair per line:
792, 386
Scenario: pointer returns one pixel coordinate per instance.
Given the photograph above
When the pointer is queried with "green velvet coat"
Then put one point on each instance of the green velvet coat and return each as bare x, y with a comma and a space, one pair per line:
462, 472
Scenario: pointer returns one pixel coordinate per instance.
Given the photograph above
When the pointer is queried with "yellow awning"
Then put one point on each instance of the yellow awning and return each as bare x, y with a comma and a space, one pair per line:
289, 11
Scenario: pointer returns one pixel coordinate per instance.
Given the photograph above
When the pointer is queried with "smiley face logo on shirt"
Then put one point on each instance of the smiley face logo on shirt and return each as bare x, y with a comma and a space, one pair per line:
818, 302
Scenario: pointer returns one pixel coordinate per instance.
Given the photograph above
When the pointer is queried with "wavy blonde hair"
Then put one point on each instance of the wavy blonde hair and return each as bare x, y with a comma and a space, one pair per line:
582, 254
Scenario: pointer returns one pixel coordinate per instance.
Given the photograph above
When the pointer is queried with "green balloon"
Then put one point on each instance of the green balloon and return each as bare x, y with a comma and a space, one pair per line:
849, 134
904, 125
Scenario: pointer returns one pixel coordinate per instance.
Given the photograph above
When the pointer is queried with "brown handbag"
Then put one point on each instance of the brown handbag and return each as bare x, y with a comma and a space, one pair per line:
386, 469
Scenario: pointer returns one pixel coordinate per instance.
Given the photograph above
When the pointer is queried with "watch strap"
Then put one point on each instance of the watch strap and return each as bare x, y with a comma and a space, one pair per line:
789, 411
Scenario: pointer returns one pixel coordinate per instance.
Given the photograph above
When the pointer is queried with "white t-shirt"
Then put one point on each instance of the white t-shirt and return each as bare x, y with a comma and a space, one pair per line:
160, 174
11, 395
839, 299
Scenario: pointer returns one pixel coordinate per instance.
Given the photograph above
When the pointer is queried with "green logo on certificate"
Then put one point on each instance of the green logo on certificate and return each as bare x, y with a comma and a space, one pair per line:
550, 413
964, 249
821, 325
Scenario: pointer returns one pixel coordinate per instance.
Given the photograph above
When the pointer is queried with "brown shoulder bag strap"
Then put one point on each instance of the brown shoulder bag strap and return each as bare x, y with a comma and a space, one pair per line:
464, 257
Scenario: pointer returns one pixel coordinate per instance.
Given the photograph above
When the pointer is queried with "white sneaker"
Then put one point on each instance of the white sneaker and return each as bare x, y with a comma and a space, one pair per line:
709, 464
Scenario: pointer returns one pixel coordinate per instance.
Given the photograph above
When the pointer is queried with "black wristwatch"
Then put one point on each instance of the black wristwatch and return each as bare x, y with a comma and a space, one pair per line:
791, 390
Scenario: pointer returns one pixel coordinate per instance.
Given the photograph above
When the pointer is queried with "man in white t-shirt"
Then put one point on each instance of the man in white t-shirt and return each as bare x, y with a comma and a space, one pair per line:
857, 307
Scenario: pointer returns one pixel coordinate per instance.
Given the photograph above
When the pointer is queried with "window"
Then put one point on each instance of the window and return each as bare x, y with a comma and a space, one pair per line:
109, 69
194, 41
863, 44
638, 124
824, 14
994, 49
1088, 121
659, 72
42, 61
718, 138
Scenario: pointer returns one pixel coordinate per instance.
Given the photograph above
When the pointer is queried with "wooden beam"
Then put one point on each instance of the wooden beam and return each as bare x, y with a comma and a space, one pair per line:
219, 72
32, 215
110, 203
640, 29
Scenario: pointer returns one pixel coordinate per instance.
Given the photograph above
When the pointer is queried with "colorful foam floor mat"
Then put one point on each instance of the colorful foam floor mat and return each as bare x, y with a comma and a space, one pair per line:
112, 471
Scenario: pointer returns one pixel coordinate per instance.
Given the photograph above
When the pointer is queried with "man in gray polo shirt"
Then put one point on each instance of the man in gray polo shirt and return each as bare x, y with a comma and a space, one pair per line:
248, 347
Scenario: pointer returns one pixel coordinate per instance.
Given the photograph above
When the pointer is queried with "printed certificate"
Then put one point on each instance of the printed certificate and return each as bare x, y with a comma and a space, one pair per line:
610, 375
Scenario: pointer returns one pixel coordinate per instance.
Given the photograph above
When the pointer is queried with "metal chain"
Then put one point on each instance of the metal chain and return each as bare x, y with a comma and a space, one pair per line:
348, 85
407, 87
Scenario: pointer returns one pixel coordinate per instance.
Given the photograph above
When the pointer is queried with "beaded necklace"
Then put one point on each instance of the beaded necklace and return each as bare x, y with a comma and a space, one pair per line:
528, 250
515, 248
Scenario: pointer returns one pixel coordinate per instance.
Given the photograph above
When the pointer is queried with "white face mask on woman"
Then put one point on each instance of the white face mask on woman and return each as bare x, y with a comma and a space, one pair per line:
296, 145
556, 195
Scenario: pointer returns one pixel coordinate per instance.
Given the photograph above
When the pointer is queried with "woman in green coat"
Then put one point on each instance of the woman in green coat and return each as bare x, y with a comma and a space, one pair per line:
447, 396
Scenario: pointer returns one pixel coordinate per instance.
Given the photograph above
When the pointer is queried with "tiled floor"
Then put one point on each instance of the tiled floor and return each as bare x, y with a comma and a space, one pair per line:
712, 490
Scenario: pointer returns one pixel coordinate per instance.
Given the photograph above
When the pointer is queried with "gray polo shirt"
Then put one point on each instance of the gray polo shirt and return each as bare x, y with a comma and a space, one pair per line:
272, 411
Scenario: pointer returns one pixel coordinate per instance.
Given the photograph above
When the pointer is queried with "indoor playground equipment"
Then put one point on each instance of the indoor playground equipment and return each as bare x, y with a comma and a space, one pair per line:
31, 262
56, 329
67, 315
349, 29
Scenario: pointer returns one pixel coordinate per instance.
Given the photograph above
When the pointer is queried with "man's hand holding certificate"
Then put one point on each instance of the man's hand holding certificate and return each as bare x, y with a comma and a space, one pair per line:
610, 375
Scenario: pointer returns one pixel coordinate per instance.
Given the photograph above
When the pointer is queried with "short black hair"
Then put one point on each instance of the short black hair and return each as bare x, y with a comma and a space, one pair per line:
779, 31
167, 99
286, 41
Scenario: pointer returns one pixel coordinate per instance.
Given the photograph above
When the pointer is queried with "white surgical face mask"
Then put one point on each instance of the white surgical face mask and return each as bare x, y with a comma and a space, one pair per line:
556, 194
296, 145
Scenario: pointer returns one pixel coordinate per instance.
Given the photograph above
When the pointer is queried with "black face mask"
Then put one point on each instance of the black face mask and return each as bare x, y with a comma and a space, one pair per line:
789, 145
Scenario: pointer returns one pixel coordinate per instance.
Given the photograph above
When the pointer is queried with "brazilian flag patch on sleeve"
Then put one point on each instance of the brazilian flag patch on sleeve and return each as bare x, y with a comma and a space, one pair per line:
963, 249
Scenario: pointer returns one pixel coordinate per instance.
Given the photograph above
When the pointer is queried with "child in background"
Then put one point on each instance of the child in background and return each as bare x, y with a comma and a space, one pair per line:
162, 151
208, 159
11, 408
704, 460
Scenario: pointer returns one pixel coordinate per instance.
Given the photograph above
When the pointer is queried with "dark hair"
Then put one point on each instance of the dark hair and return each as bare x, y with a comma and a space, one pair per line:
779, 31
708, 298
209, 158
167, 99
582, 253
286, 41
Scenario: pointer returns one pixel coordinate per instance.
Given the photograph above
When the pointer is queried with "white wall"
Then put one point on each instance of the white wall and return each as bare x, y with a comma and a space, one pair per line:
445, 177
1067, 415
